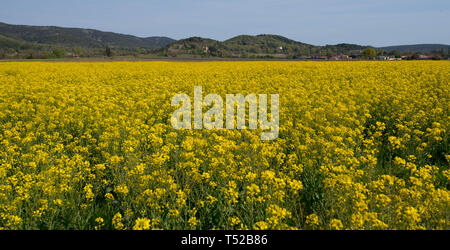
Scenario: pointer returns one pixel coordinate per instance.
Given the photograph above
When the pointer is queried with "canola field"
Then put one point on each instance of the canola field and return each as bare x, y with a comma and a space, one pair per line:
89, 145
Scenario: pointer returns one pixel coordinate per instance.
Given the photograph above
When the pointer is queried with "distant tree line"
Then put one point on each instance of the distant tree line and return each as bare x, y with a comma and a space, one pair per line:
50, 52
210, 48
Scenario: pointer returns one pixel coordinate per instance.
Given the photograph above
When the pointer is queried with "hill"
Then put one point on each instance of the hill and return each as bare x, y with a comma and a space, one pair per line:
77, 37
417, 47
193, 46
15, 43
264, 46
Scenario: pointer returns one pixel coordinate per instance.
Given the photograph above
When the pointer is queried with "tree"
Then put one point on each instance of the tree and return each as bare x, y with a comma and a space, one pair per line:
380, 52
369, 53
142, 51
395, 53
77, 51
58, 53
330, 53
108, 51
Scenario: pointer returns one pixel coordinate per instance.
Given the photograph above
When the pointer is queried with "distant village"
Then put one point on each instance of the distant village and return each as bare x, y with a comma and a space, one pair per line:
394, 55
343, 57
380, 58
363, 54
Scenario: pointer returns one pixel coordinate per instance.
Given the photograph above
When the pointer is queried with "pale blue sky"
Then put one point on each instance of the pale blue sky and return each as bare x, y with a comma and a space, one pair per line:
319, 22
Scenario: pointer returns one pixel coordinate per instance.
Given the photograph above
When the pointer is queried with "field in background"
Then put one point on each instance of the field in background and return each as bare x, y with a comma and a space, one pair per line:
89, 145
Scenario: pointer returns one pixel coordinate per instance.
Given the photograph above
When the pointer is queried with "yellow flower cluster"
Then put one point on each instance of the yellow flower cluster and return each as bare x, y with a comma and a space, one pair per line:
361, 145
